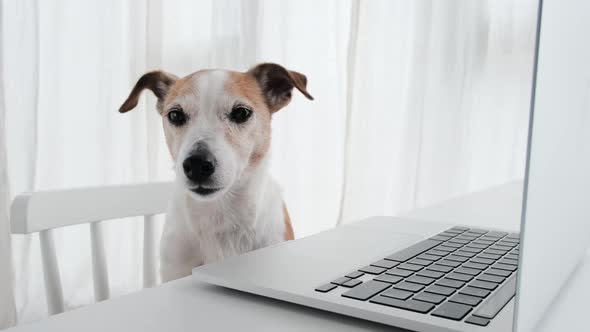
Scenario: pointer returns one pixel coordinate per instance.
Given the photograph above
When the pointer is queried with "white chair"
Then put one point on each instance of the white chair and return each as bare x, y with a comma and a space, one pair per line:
44, 211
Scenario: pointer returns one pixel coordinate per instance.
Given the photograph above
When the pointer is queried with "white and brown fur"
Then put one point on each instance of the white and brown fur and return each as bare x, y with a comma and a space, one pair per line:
247, 211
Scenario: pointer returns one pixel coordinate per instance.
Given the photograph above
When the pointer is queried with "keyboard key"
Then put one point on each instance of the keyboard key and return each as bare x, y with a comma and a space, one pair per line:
480, 260
429, 297
500, 247
384, 263
511, 240
373, 269
457, 258
397, 294
366, 290
475, 266
508, 261
408, 286
495, 303
452, 245
496, 272
446, 249
459, 276
496, 234
506, 267
450, 310
479, 292
483, 284
417, 261
453, 231
476, 245
439, 268
488, 256
340, 281
429, 257
472, 250
506, 243
466, 299
477, 231
417, 306
325, 288
352, 283
495, 252
413, 250
513, 235
441, 290
459, 228
430, 274
511, 256
477, 321
451, 234
398, 272
466, 237
355, 274
440, 238
484, 242
447, 262
465, 270
450, 283
411, 267
388, 278
436, 252
464, 253
490, 278
420, 280
458, 241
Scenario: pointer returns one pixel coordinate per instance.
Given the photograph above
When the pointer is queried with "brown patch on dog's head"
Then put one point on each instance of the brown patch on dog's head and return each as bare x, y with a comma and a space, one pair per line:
277, 84
158, 82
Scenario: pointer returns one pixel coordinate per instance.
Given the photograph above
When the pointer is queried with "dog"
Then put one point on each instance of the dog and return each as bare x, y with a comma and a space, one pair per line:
217, 125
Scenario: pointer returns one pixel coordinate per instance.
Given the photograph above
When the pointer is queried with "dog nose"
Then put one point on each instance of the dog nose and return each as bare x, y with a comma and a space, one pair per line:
198, 168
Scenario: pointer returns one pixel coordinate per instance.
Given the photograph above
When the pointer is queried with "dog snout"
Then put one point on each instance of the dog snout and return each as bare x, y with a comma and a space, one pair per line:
199, 167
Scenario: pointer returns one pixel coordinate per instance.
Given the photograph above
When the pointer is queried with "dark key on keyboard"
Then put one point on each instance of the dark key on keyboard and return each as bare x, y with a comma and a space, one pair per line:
430, 274
411, 267
429, 297
388, 278
384, 263
373, 269
450, 283
441, 290
451, 310
490, 278
496, 234
466, 270
477, 321
397, 294
413, 250
429, 257
475, 292
490, 308
459, 276
504, 267
340, 281
325, 288
466, 299
483, 284
366, 290
440, 268
420, 280
352, 283
411, 305
496, 272
399, 272
408, 286
355, 274
447, 262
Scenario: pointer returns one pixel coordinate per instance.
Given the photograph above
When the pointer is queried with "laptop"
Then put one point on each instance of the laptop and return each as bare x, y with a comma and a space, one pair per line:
428, 276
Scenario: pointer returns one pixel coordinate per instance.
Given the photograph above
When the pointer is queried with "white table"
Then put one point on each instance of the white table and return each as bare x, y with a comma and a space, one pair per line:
186, 304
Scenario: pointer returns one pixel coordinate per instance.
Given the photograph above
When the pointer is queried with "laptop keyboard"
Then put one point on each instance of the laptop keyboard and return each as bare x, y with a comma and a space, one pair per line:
459, 274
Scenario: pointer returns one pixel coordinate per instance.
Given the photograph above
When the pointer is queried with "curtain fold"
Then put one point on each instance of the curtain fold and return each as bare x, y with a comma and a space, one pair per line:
415, 102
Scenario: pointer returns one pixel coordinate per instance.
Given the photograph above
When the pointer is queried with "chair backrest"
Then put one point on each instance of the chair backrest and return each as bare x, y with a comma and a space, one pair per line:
44, 211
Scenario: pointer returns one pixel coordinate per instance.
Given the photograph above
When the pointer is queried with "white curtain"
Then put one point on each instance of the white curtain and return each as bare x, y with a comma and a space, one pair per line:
416, 102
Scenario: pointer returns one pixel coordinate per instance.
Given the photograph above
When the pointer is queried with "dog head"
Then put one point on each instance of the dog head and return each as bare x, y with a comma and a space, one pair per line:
217, 122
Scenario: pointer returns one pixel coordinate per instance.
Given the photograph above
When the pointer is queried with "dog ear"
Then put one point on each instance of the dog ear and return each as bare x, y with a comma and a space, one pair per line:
158, 82
277, 83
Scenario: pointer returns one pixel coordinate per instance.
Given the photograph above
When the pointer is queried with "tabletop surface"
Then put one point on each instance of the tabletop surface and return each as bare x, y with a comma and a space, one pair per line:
183, 303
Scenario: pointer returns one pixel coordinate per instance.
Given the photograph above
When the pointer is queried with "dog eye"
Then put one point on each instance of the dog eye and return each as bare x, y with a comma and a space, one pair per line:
177, 117
240, 114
